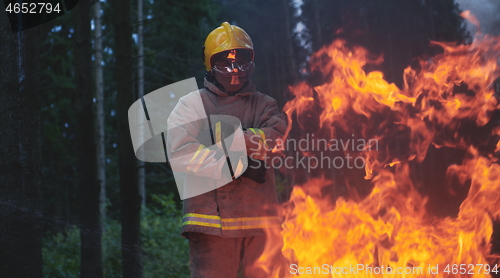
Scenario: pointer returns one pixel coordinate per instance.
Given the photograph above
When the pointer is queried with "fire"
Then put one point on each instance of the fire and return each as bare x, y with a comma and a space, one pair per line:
390, 228
231, 54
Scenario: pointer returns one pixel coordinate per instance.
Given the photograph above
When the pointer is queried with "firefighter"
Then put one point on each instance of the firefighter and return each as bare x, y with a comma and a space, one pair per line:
226, 226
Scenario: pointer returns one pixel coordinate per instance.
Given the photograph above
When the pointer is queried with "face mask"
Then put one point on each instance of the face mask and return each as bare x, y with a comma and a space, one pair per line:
233, 82
232, 69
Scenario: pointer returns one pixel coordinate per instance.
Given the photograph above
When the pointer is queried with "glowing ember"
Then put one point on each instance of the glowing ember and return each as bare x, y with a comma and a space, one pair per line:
389, 231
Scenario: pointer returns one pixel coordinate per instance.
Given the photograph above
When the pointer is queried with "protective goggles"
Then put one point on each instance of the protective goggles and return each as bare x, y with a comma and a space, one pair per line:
233, 61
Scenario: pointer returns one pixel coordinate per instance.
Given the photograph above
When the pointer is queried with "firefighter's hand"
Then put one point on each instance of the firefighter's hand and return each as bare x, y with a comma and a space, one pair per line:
256, 170
255, 143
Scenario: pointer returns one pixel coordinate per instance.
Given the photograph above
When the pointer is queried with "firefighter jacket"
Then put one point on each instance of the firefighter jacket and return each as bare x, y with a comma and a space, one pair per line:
242, 207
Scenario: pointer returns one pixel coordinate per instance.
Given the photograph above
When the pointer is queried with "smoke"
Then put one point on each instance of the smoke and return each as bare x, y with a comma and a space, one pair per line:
486, 11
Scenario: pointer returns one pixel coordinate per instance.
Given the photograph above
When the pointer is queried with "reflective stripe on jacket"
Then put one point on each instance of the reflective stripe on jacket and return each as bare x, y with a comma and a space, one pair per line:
242, 207
231, 223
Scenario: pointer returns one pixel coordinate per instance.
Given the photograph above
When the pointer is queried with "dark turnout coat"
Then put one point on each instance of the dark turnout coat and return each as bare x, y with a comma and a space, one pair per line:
242, 207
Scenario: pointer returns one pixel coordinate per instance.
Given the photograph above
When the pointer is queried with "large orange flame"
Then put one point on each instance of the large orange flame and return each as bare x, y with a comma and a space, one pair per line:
390, 229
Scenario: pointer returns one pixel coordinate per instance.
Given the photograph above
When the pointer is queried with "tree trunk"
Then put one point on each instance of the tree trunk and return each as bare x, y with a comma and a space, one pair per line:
290, 59
129, 190
431, 20
317, 39
20, 168
89, 188
140, 93
390, 57
99, 89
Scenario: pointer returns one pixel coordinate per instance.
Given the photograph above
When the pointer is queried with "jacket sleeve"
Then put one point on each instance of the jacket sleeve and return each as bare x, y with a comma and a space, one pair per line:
188, 141
271, 125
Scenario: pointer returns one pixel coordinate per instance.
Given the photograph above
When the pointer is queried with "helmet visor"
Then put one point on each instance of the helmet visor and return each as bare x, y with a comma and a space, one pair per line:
232, 61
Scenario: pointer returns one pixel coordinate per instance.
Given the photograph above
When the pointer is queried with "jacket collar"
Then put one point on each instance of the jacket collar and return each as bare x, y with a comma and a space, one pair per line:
248, 89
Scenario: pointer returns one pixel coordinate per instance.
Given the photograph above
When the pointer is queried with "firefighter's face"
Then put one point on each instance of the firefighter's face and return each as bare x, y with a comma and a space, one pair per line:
233, 68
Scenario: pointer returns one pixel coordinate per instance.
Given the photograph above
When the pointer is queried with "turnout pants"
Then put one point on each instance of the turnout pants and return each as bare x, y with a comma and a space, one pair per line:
216, 257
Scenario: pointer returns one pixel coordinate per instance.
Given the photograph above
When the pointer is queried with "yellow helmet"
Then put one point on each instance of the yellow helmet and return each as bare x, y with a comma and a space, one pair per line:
225, 37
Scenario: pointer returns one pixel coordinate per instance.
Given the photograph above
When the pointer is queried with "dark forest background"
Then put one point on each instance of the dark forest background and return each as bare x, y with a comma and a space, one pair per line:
74, 201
